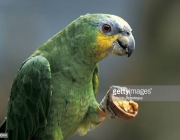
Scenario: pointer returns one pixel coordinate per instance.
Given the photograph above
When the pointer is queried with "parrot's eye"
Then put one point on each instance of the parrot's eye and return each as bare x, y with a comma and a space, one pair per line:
106, 28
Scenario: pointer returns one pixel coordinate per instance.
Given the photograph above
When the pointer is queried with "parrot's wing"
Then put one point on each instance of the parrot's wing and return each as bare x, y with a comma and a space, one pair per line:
29, 101
95, 80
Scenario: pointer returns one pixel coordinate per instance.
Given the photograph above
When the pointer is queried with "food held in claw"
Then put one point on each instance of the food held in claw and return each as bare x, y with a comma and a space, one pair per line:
125, 109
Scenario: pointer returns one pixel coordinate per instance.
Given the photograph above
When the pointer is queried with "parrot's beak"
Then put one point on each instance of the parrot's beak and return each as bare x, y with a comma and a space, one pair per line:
124, 45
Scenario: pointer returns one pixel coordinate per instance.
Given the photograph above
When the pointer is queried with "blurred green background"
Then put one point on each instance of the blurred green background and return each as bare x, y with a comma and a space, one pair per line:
25, 25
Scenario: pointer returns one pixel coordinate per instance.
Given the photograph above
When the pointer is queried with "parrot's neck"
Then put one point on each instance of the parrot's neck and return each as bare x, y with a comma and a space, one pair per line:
74, 65
78, 70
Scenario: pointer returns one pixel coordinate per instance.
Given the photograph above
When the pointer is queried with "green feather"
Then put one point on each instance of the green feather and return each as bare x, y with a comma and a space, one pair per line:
25, 108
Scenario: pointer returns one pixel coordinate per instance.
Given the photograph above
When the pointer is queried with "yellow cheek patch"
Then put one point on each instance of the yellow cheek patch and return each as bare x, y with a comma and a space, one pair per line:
104, 42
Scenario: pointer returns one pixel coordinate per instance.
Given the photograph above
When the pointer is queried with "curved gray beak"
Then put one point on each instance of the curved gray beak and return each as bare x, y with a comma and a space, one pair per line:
124, 45
130, 45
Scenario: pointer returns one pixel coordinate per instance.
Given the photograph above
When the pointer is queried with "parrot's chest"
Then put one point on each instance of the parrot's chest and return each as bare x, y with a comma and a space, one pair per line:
69, 104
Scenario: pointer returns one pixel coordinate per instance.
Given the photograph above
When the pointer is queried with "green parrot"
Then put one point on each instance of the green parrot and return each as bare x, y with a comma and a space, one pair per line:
53, 95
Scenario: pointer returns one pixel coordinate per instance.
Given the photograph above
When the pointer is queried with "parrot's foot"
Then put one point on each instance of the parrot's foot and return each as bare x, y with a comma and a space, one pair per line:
105, 107
118, 101
115, 91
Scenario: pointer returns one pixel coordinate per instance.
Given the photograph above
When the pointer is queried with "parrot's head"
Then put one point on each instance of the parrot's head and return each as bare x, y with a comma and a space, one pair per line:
104, 34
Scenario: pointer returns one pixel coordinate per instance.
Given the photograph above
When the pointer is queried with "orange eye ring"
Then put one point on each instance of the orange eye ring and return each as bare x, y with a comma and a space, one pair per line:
106, 28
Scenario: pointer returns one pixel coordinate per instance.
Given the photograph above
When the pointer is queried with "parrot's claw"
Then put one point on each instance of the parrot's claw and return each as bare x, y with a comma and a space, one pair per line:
110, 113
104, 106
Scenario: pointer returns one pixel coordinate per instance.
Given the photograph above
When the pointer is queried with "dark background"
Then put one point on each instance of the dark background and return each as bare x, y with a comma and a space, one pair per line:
25, 25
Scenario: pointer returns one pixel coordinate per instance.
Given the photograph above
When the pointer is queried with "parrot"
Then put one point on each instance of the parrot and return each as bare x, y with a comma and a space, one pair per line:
53, 95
